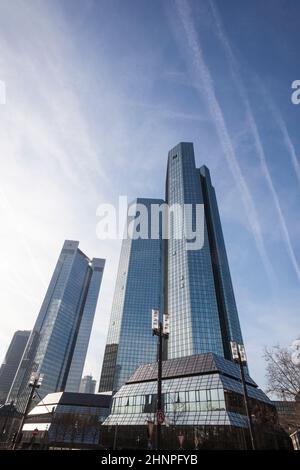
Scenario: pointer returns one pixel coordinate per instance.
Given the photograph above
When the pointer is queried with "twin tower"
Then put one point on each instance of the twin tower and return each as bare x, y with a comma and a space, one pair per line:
193, 286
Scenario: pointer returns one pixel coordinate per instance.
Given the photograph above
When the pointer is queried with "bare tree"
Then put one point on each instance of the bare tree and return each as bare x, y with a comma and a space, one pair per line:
283, 374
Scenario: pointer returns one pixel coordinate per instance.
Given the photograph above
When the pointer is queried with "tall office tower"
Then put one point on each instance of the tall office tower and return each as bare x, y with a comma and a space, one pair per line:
200, 298
139, 288
87, 385
58, 343
11, 362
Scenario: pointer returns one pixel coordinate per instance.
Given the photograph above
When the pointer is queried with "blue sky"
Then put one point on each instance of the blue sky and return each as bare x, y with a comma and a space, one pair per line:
97, 92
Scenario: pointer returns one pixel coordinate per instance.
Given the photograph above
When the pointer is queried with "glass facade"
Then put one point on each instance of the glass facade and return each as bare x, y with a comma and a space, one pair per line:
11, 362
87, 384
86, 322
66, 420
58, 343
202, 399
196, 283
196, 390
200, 298
189, 365
192, 304
229, 320
139, 288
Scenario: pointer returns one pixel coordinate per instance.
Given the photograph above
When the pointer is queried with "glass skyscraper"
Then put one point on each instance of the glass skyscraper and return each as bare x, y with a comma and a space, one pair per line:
87, 384
58, 343
11, 362
192, 285
139, 288
200, 298
202, 391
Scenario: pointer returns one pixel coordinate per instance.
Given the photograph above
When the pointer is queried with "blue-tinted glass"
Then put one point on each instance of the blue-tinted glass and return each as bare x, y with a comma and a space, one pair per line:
138, 290
58, 343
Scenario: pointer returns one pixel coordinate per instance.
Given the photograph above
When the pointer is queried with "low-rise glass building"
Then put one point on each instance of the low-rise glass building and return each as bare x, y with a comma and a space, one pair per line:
10, 420
202, 401
66, 420
289, 418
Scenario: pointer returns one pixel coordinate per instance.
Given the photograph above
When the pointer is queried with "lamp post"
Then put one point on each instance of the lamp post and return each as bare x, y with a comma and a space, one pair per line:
34, 382
162, 331
239, 356
115, 437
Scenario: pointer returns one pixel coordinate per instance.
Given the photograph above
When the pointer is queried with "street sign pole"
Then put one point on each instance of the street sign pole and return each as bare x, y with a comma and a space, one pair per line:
159, 381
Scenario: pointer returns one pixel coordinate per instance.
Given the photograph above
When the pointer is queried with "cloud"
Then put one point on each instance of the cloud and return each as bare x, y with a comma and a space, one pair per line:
282, 126
206, 87
91, 113
69, 140
164, 112
52, 168
42, 104
14, 228
266, 327
255, 134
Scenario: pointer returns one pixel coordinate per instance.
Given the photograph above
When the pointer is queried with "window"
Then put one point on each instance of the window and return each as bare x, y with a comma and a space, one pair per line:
214, 394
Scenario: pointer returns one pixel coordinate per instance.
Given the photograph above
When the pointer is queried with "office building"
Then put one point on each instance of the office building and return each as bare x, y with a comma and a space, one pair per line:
200, 298
11, 362
289, 413
192, 285
65, 420
139, 288
203, 404
58, 343
87, 384
10, 420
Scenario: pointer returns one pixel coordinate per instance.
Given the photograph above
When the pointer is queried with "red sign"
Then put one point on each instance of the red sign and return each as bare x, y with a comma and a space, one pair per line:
160, 416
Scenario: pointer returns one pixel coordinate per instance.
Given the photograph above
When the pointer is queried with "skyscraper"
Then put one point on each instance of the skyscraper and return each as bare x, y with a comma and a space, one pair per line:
87, 385
192, 285
58, 343
200, 298
138, 289
11, 362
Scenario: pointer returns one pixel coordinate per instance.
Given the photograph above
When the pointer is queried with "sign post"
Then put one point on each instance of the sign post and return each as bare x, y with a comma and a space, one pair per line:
160, 329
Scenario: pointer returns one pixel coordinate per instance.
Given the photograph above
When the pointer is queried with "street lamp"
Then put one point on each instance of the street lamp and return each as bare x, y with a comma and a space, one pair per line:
239, 355
161, 330
35, 382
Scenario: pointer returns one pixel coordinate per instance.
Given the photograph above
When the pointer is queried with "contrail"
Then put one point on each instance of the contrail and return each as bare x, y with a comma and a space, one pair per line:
256, 137
222, 131
288, 141
282, 126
